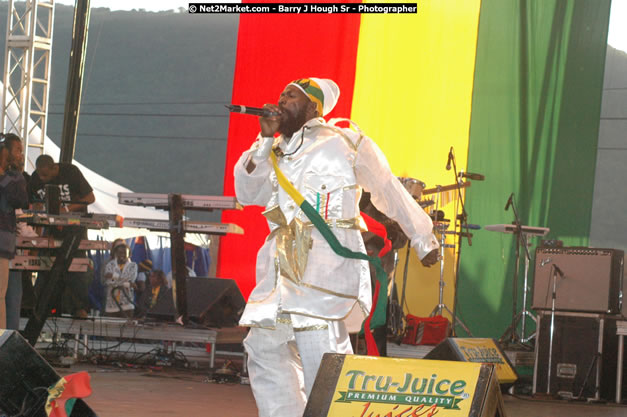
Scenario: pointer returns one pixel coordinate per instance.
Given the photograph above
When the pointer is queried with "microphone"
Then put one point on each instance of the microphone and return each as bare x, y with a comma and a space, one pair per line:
253, 111
558, 270
545, 261
450, 158
471, 176
509, 201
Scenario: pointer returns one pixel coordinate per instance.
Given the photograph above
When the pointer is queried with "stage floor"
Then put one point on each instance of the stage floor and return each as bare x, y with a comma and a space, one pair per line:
143, 392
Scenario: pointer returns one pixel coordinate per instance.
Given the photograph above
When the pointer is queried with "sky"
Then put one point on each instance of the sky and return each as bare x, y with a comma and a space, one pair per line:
617, 32
151, 5
617, 36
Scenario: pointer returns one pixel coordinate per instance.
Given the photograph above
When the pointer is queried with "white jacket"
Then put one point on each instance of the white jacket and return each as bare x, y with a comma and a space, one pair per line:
329, 166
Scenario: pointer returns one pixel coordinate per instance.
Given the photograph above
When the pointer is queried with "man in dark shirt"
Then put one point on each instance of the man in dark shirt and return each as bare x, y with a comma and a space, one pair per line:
18, 280
74, 190
75, 195
12, 196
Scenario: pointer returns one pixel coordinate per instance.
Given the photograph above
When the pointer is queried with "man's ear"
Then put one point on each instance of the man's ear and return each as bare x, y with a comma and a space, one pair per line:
313, 109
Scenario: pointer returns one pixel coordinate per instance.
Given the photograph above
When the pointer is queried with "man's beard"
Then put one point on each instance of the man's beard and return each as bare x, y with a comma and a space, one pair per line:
15, 165
292, 123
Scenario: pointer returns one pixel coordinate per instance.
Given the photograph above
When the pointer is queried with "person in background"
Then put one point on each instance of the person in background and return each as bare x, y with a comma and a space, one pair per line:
144, 267
13, 195
119, 279
75, 194
14, 289
74, 190
190, 273
156, 290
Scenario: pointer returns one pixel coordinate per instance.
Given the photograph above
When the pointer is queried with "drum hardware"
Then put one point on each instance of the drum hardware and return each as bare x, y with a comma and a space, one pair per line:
405, 270
413, 186
438, 215
443, 188
458, 185
395, 310
461, 234
440, 227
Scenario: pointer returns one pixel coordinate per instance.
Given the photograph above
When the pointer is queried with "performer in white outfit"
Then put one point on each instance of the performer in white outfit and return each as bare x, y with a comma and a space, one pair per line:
307, 298
119, 279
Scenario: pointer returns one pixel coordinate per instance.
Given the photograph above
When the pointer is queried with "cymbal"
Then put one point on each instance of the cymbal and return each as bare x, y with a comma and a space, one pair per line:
443, 188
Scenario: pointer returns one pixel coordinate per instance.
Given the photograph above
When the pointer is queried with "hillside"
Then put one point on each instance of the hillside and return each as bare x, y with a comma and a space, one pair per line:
140, 65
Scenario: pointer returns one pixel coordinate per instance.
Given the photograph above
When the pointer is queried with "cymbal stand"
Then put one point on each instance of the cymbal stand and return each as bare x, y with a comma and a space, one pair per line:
463, 222
510, 335
440, 227
524, 312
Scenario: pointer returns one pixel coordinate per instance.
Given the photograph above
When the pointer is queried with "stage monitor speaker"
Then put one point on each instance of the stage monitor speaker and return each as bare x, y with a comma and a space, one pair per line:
476, 350
215, 302
584, 356
352, 385
592, 281
24, 379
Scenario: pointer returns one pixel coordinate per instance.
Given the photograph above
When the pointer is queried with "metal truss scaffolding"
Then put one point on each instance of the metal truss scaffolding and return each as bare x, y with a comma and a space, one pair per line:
26, 82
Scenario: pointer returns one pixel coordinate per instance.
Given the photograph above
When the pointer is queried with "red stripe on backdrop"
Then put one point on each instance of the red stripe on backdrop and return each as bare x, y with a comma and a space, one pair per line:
272, 50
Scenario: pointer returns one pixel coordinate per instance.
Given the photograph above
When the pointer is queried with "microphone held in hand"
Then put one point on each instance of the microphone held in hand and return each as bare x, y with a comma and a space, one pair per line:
253, 111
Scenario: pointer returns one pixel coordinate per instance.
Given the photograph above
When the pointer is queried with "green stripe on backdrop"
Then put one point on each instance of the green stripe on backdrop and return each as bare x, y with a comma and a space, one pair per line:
534, 128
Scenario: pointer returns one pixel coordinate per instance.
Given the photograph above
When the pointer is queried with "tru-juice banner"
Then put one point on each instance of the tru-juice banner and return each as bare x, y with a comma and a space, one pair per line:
370, 387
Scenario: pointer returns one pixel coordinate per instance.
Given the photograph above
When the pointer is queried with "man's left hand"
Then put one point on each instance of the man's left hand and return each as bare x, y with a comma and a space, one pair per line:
431, 258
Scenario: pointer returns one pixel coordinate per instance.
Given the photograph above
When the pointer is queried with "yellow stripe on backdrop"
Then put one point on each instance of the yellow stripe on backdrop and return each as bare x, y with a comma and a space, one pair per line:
413, 91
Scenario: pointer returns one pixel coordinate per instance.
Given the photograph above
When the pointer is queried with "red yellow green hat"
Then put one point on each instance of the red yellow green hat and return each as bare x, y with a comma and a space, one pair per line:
323, 92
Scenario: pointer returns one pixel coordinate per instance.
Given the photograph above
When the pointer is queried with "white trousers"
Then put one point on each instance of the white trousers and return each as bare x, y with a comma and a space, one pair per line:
283, 363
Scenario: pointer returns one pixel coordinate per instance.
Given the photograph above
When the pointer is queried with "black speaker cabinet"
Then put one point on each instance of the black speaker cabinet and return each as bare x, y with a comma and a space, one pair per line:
211, 301
592, 279
583, 359
24, 378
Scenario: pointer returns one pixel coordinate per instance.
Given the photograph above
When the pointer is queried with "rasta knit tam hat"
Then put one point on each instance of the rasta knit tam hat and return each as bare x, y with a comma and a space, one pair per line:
323, 92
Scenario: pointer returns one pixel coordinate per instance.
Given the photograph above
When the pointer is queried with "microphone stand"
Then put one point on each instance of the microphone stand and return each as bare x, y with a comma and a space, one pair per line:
463, 222
555, 270
510, 335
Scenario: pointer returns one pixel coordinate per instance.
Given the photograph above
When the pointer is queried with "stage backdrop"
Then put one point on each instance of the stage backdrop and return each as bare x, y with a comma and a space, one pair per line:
418, 84
534, 129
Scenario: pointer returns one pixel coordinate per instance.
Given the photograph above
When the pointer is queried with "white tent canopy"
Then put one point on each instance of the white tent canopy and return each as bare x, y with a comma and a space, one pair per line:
105, 191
